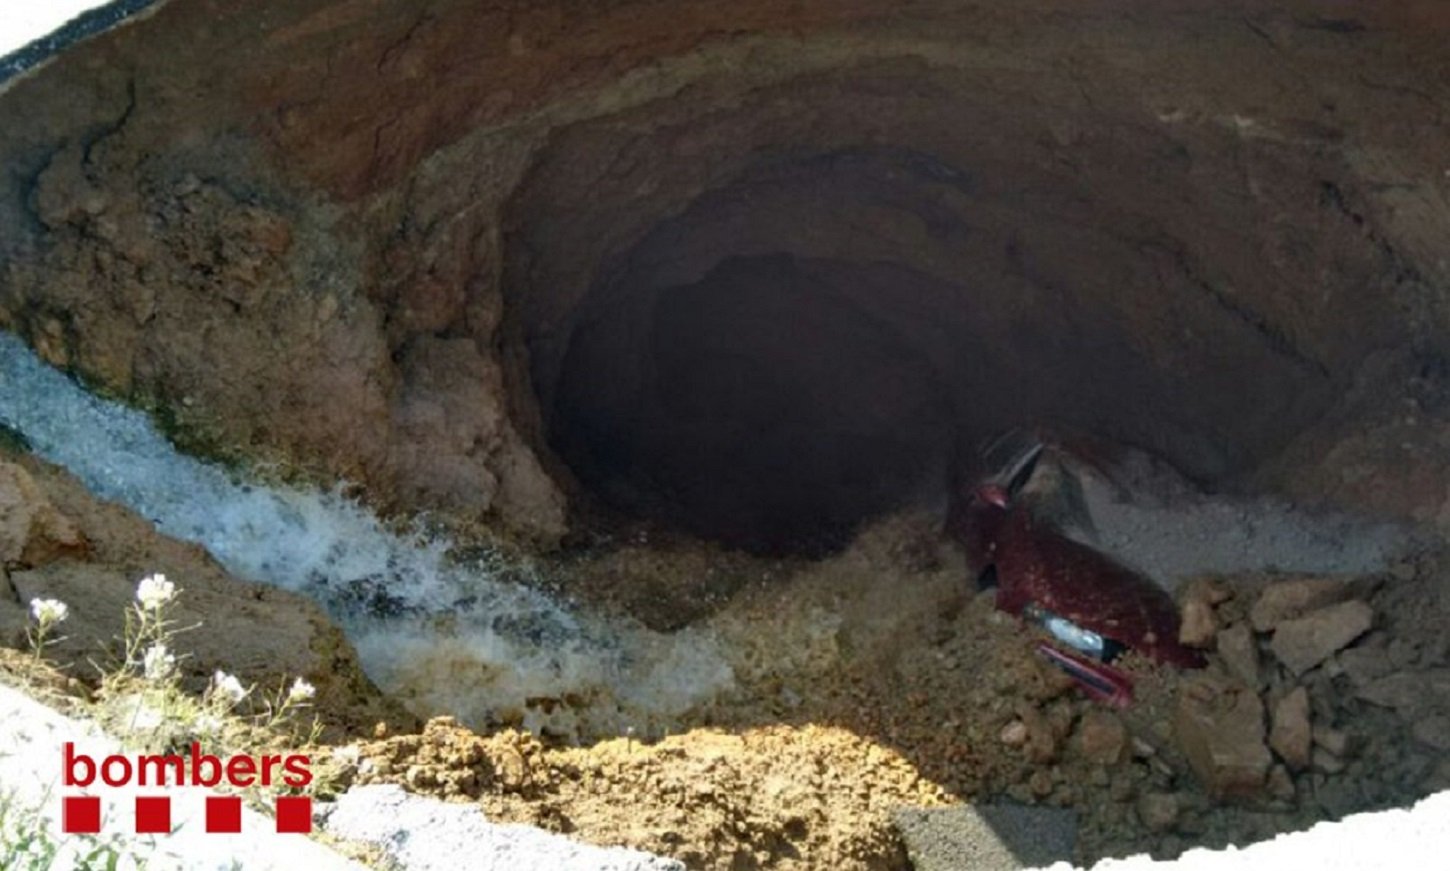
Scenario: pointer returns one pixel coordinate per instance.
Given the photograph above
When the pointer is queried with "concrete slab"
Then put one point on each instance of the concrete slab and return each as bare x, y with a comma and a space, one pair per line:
986, 837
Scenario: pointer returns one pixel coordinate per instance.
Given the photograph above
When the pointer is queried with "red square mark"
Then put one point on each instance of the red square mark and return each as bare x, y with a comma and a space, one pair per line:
224, 814
80, 815
153, 815
294, 814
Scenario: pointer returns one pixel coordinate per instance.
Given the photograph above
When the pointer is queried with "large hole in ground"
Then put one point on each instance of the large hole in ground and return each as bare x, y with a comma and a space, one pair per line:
770, 279
772, 410
785, 312
821, 330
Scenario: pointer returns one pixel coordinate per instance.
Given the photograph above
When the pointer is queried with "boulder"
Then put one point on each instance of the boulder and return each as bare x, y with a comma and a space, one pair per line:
1286, 600
1304, 642
1220, 729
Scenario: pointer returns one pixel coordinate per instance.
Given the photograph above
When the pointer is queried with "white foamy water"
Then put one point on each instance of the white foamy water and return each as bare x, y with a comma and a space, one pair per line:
444, 637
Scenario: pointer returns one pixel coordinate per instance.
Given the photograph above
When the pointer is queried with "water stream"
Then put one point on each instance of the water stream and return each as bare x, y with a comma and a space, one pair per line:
442, 636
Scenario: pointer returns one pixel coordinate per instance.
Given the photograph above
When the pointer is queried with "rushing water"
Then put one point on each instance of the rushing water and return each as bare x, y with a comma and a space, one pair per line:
443, 636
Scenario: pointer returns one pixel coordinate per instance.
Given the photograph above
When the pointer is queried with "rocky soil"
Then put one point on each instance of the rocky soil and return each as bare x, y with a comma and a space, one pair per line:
1324, 696
866, 681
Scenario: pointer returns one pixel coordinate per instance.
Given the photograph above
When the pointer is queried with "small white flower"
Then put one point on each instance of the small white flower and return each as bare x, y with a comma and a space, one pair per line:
48, 611
154, 591
228, 687
301, 691
206, 724
157, 663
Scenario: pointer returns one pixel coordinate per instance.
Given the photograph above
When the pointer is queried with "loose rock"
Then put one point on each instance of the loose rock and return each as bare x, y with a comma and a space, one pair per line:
986, 836
1014, 734
1102, 738
1158, 810
1040, 782
1291, 735
1289, 599
1333, 740
1280, 784
1303, 643
1221, 731
1400, 690
1211, 590
1401, 653
1198, 624
1327, 762
1365, 664
1240, 652
1041, 743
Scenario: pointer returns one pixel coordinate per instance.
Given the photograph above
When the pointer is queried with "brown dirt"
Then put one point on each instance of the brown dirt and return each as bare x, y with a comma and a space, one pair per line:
868, 681
776, 796
865, 681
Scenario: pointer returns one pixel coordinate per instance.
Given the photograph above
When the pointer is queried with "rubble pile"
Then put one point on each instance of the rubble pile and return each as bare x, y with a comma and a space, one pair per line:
1313, 691
1323, 696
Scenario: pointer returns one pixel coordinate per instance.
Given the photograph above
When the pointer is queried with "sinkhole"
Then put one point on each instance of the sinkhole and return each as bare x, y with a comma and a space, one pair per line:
765, 278
822, 335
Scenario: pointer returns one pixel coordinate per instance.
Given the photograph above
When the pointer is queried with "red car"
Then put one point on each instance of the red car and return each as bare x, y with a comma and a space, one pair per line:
1084, 598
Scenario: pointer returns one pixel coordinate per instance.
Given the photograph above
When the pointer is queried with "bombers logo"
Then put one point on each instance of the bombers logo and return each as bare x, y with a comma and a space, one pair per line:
81, 814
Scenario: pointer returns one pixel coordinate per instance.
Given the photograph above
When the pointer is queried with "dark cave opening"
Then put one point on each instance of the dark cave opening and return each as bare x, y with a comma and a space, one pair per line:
818, 337
764, 408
